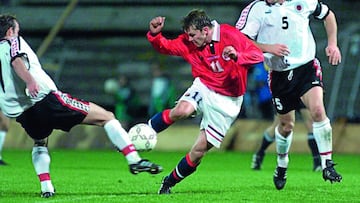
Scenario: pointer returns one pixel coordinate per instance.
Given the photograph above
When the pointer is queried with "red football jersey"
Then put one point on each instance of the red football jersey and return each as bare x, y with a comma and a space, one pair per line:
219, 74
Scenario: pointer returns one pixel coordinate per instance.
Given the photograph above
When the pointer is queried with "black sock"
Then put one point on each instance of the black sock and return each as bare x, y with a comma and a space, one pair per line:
266, 142
184, 168
314, 149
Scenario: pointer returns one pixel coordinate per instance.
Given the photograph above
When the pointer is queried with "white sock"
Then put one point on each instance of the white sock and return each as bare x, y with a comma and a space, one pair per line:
41, 162
120, 138
2, 140
282, 148
323, 136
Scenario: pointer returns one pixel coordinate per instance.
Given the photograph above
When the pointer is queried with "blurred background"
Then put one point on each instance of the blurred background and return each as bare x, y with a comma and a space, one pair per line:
97, 50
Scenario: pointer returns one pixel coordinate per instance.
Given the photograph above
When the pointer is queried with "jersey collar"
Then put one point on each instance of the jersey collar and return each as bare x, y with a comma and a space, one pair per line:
216, 33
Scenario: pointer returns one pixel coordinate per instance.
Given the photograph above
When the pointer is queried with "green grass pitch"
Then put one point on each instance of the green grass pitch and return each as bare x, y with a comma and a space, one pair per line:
103, 176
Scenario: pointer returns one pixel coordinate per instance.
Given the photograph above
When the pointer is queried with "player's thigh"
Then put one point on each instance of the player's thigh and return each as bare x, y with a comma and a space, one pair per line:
97, 115
313, 99
182, 109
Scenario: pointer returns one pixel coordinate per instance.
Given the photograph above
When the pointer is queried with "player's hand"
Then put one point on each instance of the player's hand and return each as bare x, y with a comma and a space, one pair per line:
279, 50
228, 53
156, 25
32, 89
333, 52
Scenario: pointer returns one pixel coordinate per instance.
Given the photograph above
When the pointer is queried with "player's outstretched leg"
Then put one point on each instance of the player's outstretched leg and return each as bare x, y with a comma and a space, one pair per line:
329, 173
119, 137
161, 121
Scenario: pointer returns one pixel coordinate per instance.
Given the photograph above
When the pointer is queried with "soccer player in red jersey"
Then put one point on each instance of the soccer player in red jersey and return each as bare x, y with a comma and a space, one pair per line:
220, 57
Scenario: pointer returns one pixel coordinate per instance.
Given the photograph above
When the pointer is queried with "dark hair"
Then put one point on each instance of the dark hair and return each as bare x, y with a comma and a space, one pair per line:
6, 21
197, 18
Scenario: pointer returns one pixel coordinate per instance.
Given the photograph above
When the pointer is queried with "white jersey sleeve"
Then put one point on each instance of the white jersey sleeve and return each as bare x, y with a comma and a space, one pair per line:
286, 23
250, 19
13, 97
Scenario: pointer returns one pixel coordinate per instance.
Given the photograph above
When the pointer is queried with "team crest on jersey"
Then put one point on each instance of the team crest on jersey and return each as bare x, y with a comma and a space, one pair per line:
226, 58
299, 7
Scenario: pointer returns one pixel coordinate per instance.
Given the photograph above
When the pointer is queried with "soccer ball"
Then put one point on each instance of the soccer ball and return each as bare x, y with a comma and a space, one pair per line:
143, 137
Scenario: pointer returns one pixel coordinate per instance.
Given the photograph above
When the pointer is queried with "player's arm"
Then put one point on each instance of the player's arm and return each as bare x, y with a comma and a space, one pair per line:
250, 22
246, 51
21, 70
323, 12
162, 44
275, 49
332, 50
156, 25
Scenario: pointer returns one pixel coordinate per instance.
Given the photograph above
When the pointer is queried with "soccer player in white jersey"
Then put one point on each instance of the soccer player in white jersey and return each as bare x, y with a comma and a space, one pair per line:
28, 94
281, 29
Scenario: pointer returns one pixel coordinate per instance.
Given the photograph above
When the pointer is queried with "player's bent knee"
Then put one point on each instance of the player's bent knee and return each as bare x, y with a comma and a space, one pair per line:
177, 114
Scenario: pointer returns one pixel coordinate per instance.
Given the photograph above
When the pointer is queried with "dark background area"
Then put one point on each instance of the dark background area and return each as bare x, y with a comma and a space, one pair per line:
101, 39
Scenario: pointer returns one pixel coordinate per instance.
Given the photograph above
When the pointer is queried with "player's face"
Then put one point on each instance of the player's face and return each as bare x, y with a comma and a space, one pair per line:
198, 37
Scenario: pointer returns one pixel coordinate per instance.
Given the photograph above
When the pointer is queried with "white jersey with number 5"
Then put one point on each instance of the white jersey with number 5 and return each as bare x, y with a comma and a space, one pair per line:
286, 23
13, 97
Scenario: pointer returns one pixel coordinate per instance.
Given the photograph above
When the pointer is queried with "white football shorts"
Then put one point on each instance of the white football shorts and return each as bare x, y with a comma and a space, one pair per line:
218, 111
